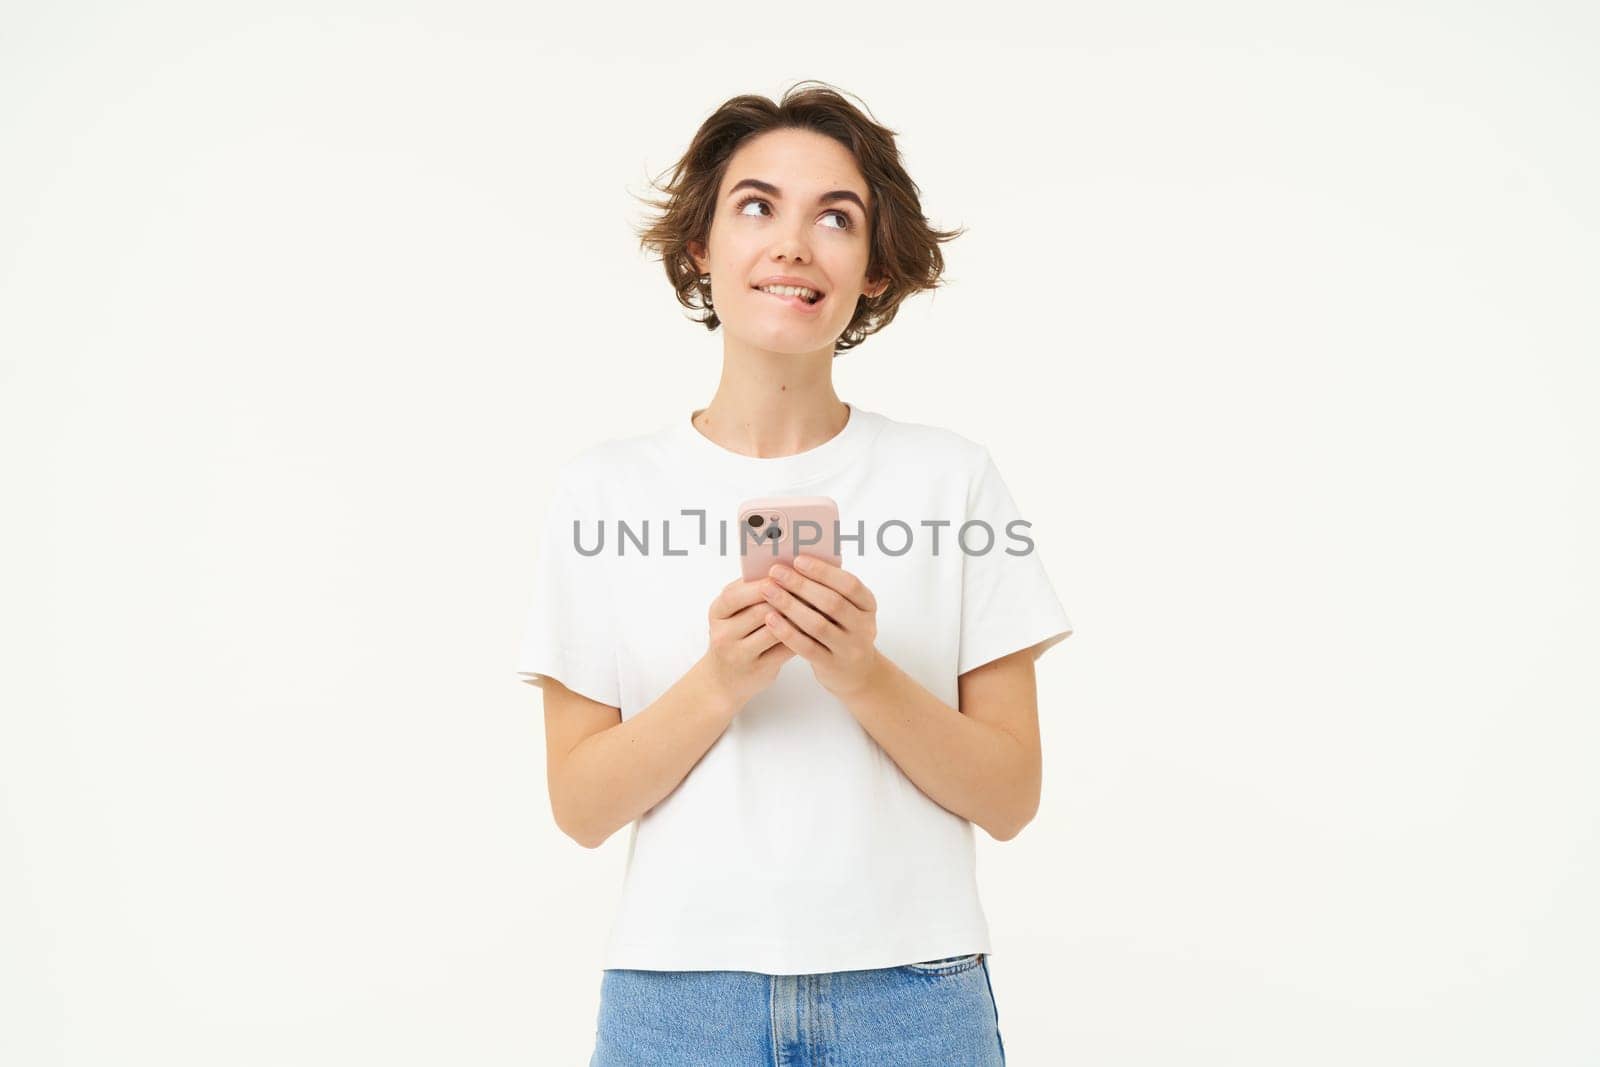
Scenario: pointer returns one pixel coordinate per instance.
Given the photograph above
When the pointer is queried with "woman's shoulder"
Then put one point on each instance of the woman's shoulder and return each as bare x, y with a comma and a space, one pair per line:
933, 444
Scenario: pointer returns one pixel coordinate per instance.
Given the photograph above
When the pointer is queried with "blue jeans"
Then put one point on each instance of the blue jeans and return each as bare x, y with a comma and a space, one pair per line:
939, 1012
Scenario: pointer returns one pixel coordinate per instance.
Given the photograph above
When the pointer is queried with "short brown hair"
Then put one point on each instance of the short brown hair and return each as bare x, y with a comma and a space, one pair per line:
904, 248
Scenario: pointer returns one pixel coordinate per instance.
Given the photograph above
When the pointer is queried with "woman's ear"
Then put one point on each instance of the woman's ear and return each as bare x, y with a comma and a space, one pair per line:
697, 253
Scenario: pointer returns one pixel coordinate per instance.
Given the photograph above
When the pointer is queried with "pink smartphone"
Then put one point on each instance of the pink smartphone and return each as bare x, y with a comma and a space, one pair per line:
775, 529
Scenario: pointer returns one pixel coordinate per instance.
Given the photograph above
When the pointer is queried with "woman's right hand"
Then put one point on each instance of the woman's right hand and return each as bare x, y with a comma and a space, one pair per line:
743, 654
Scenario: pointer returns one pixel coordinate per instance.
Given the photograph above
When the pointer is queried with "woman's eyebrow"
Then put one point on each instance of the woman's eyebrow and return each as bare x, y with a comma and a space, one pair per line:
773, 191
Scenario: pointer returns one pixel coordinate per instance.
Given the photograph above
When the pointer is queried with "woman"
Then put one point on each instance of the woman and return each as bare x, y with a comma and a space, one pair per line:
802, 756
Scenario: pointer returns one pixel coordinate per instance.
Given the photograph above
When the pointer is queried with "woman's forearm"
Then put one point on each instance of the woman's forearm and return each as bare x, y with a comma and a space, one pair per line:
964, 765
613, 777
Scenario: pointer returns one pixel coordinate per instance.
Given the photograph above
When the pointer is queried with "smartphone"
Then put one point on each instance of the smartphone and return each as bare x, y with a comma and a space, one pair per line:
775, 529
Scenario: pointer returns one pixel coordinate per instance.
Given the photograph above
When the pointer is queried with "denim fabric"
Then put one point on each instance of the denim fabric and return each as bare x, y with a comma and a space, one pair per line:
941, 1012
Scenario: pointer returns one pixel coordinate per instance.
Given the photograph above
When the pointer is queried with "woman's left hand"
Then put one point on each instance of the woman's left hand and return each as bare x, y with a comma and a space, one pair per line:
829, 618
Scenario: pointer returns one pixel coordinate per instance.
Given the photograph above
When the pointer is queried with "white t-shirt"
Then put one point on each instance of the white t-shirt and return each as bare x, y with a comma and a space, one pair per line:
795, 845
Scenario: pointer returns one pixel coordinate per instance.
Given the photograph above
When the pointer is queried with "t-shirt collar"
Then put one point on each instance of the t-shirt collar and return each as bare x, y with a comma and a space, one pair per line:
772, 473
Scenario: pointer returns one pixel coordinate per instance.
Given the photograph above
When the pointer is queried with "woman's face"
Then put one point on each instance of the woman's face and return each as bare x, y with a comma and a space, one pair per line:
778, 213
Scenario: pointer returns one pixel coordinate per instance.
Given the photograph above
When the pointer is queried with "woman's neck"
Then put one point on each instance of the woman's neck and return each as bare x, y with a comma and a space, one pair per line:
771, 422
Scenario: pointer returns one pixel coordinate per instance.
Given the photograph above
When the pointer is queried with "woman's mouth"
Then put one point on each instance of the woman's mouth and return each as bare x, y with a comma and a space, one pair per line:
798, 303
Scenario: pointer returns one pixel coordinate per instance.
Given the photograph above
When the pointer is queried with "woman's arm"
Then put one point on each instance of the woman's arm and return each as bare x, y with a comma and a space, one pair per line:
980, 761
609, 777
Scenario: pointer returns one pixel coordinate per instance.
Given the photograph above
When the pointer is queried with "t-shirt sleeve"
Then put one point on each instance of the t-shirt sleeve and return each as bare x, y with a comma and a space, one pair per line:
1007, 601
568, 635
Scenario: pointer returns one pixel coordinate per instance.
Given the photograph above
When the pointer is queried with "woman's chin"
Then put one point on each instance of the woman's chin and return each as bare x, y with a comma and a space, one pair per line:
790, 339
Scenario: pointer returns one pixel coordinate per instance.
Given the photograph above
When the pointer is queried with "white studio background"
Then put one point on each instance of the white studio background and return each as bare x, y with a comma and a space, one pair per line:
1279, 322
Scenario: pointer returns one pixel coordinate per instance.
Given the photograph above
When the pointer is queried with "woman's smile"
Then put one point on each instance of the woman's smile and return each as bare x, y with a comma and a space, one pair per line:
796, 302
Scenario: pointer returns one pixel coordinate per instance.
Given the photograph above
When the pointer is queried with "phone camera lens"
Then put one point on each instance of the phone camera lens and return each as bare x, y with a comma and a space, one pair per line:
756, 520
773, 533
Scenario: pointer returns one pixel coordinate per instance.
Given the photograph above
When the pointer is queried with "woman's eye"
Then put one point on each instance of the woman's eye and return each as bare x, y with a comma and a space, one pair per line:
845, 222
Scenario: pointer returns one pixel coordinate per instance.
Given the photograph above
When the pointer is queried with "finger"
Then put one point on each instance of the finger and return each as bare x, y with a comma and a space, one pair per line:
804, 645
839, 580
737, 594
839, 611
760, 639
807, 619
747, 620
778, 651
